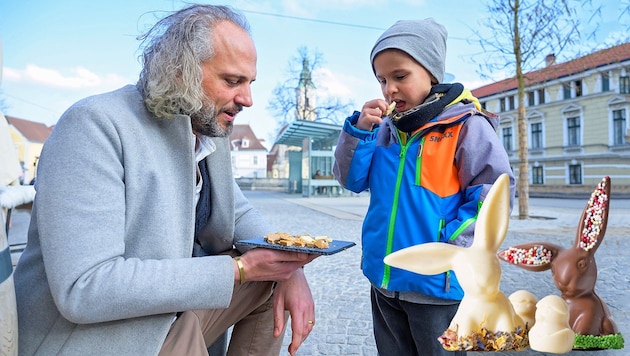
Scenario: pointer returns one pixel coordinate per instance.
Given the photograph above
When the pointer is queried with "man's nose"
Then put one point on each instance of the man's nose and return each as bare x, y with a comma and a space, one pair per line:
244, 97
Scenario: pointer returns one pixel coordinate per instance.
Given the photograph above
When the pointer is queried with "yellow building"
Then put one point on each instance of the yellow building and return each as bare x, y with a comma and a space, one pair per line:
577, 121
28, 137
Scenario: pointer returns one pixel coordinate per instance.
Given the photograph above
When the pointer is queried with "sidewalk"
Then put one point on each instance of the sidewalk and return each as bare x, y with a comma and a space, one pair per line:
553, 210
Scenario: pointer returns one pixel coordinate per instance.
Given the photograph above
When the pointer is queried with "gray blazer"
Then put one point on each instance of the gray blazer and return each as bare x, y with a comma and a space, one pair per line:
108, 261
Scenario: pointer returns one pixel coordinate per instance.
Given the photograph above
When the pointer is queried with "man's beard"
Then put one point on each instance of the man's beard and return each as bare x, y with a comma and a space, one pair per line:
206, 122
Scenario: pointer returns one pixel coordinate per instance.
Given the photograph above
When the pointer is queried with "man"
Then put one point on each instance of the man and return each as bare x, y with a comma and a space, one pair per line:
108, 267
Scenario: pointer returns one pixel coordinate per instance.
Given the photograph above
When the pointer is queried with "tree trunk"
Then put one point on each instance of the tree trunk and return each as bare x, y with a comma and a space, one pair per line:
523, 167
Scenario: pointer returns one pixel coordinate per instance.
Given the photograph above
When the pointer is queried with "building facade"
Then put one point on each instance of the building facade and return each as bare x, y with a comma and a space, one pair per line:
249, 156
576, 120
28, 137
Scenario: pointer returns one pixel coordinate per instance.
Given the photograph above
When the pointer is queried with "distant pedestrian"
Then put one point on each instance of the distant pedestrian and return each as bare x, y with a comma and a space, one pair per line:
318, 175
428, 166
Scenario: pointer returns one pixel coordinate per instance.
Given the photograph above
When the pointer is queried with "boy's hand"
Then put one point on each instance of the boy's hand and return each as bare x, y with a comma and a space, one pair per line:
372, 114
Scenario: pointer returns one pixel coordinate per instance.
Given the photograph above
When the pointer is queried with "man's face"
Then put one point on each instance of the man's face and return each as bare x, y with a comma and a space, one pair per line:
226, 82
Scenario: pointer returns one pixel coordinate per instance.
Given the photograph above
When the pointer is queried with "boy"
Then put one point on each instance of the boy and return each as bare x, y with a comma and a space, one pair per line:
428, 166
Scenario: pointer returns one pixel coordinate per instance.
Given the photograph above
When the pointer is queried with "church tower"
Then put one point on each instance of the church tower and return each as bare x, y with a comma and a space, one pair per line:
305, 92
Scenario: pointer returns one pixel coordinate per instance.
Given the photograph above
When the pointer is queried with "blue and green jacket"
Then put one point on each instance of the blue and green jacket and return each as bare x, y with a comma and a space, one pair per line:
425, 186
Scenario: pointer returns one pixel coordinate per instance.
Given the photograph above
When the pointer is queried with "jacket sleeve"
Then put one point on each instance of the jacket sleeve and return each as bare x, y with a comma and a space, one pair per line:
353, 155
480, 159
249, 222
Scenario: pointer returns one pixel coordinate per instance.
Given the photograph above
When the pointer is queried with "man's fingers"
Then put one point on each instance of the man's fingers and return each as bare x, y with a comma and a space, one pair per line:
278, 316
297, 338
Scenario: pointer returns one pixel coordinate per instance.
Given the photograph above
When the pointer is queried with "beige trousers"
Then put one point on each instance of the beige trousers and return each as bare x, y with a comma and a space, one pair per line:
251, 314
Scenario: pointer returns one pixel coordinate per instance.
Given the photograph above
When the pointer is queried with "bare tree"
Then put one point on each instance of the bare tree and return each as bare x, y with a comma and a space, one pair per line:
523, 33
298, 98
624, 13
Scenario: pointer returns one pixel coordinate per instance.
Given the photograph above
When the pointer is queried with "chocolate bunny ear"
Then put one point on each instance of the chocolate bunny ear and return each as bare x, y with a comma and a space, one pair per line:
532, 256
594, 218
494, 216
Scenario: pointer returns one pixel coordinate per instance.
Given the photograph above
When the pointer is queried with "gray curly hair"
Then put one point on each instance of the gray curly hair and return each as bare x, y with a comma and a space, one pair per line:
173, 50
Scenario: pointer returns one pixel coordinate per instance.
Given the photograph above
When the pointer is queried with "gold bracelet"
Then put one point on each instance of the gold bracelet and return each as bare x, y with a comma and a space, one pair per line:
241, 270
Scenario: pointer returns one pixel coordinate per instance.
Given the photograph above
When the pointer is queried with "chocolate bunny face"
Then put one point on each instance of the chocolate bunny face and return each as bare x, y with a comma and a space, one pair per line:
573, 269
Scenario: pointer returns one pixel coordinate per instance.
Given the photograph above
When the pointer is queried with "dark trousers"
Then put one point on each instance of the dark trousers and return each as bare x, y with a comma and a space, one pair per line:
403, 328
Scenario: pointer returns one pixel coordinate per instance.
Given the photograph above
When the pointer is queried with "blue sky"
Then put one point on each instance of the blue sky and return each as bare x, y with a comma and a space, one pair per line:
57, 52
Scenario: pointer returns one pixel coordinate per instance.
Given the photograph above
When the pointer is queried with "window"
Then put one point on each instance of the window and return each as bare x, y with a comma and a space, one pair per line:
566, 89
483, 105
575, 174
507, 138
536, 135
244, 143
619, 127
573, 131
502, 104
541, 96
510, 102
578, 87
537, 175
255, 162
605, 83
531, 98
624, 85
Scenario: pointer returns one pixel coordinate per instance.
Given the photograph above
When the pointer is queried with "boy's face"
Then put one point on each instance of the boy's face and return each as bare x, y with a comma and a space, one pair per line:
402, 79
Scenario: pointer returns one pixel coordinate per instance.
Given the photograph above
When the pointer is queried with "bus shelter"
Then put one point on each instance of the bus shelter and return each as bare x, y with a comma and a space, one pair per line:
310, 167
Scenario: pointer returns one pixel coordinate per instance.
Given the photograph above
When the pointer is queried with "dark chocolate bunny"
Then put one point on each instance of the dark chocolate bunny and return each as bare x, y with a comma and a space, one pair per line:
574, 269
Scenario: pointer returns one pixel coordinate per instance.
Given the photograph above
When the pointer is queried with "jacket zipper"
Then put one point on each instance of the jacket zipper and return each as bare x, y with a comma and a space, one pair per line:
392, 217
447, 274
419, 162
466, 223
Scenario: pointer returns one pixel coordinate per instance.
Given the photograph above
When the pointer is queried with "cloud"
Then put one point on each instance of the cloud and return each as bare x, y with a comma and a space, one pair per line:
348, 88
77, 78
11, 74
331, 84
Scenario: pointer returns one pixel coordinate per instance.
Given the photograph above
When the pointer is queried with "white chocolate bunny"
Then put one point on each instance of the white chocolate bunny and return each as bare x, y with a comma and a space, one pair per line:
478, 271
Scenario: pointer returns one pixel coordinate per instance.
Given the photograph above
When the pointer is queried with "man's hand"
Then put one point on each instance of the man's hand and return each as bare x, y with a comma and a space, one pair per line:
262, 264
295, 296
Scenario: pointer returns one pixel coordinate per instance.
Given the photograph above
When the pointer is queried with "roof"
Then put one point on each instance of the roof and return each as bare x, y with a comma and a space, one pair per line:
294, 133
594, 60
32, 131
244, 132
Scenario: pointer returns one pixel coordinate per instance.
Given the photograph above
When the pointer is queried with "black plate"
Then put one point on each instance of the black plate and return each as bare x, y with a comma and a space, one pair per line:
333, 247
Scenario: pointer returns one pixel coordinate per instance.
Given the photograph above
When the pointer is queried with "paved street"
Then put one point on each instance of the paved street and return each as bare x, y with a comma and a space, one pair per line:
341, 293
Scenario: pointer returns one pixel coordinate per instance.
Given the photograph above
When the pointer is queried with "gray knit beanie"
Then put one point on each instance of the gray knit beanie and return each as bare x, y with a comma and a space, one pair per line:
424, 40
